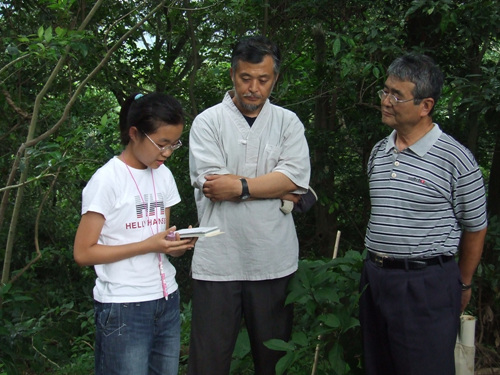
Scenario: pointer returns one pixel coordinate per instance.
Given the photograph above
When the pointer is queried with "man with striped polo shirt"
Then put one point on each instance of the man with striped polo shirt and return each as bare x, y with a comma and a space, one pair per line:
428, 204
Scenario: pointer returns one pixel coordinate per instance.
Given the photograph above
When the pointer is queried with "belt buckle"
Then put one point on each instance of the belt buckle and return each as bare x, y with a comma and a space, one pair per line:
419, 264
379, 260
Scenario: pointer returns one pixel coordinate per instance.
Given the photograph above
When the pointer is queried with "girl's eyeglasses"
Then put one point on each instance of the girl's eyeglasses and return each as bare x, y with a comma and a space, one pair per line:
173, 147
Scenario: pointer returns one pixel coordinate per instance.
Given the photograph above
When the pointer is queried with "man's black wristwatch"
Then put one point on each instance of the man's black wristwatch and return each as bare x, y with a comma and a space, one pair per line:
466, 287
245, 194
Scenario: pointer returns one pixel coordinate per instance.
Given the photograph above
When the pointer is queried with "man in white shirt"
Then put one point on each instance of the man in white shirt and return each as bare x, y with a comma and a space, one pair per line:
246, 155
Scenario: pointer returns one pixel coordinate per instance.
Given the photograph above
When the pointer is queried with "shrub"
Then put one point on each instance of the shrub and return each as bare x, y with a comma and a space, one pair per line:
326, 332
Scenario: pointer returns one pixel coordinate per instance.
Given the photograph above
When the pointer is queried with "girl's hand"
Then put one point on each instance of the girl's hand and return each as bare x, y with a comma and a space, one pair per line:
176, 247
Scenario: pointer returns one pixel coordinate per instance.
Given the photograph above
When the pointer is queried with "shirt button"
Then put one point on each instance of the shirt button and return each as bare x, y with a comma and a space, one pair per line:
396, 163
393, 175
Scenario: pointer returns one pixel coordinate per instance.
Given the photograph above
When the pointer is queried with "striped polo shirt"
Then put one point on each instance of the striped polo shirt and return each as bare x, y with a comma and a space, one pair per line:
423, 197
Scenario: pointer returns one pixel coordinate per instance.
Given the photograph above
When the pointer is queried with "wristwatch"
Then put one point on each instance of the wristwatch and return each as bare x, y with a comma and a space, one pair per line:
466, 287
245, 194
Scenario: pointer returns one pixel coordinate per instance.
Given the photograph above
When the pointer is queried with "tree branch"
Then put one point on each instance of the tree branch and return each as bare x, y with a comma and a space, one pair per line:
30, 141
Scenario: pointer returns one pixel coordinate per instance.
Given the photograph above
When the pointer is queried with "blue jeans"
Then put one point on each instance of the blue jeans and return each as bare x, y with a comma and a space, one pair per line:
140, 338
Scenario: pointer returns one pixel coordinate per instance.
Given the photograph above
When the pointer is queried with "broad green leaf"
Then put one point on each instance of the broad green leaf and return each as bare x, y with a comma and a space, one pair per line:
330, 320
48, 34
336, 359
60, 32
284, 363
336, 46
104, 120
276, 344
300, 338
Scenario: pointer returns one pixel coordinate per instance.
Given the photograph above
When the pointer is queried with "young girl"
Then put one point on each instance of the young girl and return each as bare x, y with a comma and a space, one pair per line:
125, 213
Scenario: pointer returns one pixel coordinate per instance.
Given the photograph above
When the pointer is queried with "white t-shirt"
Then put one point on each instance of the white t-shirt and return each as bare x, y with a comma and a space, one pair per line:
113, 193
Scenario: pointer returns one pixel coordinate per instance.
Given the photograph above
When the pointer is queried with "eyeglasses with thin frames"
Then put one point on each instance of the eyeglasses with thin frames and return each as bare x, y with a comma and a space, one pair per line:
163, 149
392, 99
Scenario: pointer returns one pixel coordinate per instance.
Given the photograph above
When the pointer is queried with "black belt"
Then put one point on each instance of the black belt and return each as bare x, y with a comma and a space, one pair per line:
383, 261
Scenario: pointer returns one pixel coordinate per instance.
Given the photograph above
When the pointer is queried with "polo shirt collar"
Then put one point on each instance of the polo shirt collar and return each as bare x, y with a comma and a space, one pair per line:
422, 146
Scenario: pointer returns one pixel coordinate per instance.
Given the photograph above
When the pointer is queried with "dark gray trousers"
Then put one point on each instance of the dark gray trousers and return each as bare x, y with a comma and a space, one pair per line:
218, 308
410, 319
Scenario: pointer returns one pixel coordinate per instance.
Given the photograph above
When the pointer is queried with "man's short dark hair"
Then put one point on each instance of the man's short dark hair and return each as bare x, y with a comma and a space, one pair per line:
253, 50
423, 72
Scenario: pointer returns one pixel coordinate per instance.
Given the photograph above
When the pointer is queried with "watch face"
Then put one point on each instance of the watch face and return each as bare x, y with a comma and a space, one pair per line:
246, 196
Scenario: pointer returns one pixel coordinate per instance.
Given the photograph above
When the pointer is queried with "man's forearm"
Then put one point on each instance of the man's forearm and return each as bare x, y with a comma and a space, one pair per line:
271, 185
229, 187
471, 249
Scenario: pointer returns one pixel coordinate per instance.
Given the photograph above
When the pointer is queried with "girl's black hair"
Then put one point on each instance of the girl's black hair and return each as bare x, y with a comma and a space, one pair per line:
147, 112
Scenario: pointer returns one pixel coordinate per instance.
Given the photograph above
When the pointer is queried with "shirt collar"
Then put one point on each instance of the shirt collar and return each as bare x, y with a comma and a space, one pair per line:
422, 146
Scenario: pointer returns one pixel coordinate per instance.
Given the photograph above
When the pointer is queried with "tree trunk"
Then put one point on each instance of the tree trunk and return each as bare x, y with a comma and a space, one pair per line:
326, 223
494, 183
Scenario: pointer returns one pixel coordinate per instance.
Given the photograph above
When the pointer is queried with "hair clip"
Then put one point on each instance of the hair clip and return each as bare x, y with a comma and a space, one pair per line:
138, 96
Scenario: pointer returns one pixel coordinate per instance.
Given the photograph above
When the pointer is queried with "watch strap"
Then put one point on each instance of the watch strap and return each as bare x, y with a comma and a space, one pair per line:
245, 193
466, 286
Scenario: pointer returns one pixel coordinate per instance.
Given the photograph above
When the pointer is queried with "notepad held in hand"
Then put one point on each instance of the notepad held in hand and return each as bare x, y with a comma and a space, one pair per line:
199, 232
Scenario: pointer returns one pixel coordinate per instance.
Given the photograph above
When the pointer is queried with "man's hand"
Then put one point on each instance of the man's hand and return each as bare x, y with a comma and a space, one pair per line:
295, 198
466, 295
471, 248
225, 187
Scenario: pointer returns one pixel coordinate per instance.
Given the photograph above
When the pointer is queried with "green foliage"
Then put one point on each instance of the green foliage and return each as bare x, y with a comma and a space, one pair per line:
185, 336
242, 363
486, 295
44, 326
334, 58
325, 295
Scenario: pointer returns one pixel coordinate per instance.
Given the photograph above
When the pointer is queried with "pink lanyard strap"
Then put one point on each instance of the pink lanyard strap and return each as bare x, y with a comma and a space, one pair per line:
160, 261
